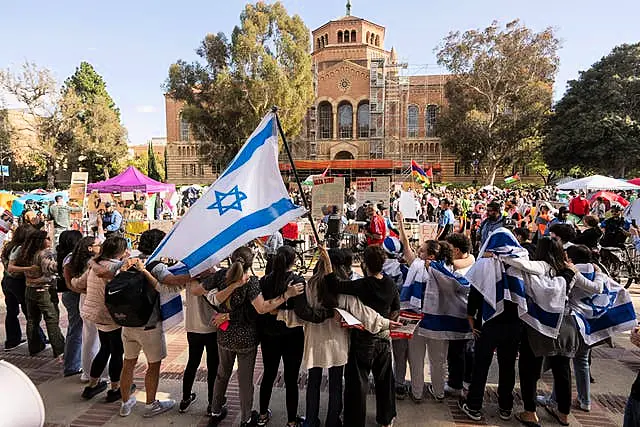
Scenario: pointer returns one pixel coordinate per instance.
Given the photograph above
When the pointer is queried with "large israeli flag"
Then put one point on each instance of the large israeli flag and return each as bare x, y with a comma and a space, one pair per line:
249, 200
603, 315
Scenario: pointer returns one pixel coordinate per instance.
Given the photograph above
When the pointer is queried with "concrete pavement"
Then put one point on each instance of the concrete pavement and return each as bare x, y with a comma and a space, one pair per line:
613, 368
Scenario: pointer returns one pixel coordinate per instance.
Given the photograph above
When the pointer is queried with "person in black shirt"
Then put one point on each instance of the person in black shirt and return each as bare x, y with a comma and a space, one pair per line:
632, 410
369, 353
278, 342
591, 236
616, 229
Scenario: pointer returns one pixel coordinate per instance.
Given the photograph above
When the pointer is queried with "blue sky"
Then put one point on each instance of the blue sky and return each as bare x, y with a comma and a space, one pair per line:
132, 43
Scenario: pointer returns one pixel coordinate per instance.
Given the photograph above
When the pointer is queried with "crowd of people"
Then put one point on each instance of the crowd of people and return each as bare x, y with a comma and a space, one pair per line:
230, 313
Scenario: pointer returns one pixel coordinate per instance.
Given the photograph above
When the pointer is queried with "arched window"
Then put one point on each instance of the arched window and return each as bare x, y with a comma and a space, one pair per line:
373, 38
431, 120
377, 40
318, 43
325, 120
412, 122
184, 129
339, 36
421, 149
326, 40
368, 34
353, 36
179, 151
363, 120
345, 120
346, 36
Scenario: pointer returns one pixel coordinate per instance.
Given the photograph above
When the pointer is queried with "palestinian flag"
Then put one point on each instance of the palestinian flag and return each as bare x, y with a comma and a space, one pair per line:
511, 179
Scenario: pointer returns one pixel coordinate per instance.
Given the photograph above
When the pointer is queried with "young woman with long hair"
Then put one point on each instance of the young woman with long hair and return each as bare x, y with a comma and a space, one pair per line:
551, 263
76, 271
41, 296
14, 286
113, 252
278, 342
236, 294
67, 241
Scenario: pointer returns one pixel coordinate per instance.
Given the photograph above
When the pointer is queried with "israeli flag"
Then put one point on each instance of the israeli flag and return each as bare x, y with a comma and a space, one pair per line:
249, 200
445, 305
412, 291
603, 315
540, 299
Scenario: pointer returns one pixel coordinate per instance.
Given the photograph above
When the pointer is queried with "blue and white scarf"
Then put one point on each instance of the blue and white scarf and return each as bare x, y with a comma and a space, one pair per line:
445, 305
540, 299
600, 316
413, 289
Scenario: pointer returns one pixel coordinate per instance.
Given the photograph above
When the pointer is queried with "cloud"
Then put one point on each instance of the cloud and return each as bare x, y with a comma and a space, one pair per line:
146, 109
92, 49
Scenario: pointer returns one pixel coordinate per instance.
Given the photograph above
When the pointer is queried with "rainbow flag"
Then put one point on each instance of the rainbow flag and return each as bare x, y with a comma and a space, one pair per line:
419, 174
511, 179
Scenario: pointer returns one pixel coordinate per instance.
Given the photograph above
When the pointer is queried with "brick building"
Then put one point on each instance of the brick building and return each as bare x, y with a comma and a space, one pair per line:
369, 116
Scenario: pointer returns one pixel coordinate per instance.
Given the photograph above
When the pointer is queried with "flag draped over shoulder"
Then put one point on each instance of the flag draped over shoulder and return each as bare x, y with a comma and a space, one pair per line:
247, 201
445, 305
600, 316
412, 291
540, 299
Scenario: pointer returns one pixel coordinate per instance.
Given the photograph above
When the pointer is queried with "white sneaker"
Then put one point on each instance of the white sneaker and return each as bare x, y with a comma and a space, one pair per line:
84, 378
127, 407
452, 391
158, 407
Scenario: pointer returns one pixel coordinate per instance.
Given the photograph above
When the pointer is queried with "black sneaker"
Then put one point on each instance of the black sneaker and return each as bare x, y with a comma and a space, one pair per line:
504, 414
91, 392
264, 419
115, 395
433, 394
184, 404
252, 422
209, 410
217, 418
470, 413
9, 346
401, 392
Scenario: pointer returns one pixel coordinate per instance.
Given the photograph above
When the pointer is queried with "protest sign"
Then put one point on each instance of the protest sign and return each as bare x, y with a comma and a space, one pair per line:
407, 205
374, 189
327, 193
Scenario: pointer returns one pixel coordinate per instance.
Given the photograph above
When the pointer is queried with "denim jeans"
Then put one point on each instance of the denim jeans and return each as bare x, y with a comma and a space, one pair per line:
632, 413
73, 344
581, 373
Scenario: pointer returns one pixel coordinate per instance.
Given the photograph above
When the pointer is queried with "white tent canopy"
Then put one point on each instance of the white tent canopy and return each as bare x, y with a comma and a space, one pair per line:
598, 182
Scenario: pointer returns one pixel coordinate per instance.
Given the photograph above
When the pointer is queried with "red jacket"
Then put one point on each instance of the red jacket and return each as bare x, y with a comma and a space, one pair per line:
579, 206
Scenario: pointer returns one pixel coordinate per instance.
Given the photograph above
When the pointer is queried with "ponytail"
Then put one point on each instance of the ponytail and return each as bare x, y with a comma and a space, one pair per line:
241, 262
446, 253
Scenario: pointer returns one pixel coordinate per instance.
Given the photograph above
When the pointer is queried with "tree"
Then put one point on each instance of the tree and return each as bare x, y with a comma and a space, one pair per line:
596, 124
152, 169
266, 63
499, 95
35, 88
97, 140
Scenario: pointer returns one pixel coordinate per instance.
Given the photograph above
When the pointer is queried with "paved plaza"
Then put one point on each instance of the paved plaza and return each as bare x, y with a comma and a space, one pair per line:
613, 368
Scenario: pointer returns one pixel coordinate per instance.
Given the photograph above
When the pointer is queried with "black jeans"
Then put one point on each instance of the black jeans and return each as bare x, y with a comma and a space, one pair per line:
197, 344
289, 348
334, 408
530, 368
111, 350
459, 363
14, 290
505, 338
369, 354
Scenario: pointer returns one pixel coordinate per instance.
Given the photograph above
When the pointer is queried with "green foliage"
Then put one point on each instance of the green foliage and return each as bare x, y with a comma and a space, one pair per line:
88, 85
266, 63
152, 169
596, 125
95, 141
500, 94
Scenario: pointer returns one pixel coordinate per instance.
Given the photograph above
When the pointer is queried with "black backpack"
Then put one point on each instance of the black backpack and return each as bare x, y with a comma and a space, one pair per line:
130, 299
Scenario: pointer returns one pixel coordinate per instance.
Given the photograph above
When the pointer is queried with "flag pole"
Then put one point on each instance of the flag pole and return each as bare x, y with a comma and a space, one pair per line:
274, 110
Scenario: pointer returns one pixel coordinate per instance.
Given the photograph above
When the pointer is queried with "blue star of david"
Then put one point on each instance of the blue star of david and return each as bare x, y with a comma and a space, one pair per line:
597, 306
235, 205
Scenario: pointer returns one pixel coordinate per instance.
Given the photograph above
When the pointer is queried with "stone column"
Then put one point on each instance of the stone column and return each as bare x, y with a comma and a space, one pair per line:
355, 123
335, 122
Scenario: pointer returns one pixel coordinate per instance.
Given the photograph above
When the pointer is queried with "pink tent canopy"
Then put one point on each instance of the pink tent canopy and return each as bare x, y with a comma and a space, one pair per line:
635, 181
131, 180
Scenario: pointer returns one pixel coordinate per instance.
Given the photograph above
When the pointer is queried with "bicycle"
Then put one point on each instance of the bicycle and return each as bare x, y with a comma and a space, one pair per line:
622, 264
302, 265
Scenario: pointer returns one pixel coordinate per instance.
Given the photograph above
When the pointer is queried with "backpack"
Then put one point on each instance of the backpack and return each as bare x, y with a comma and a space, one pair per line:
130, 299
